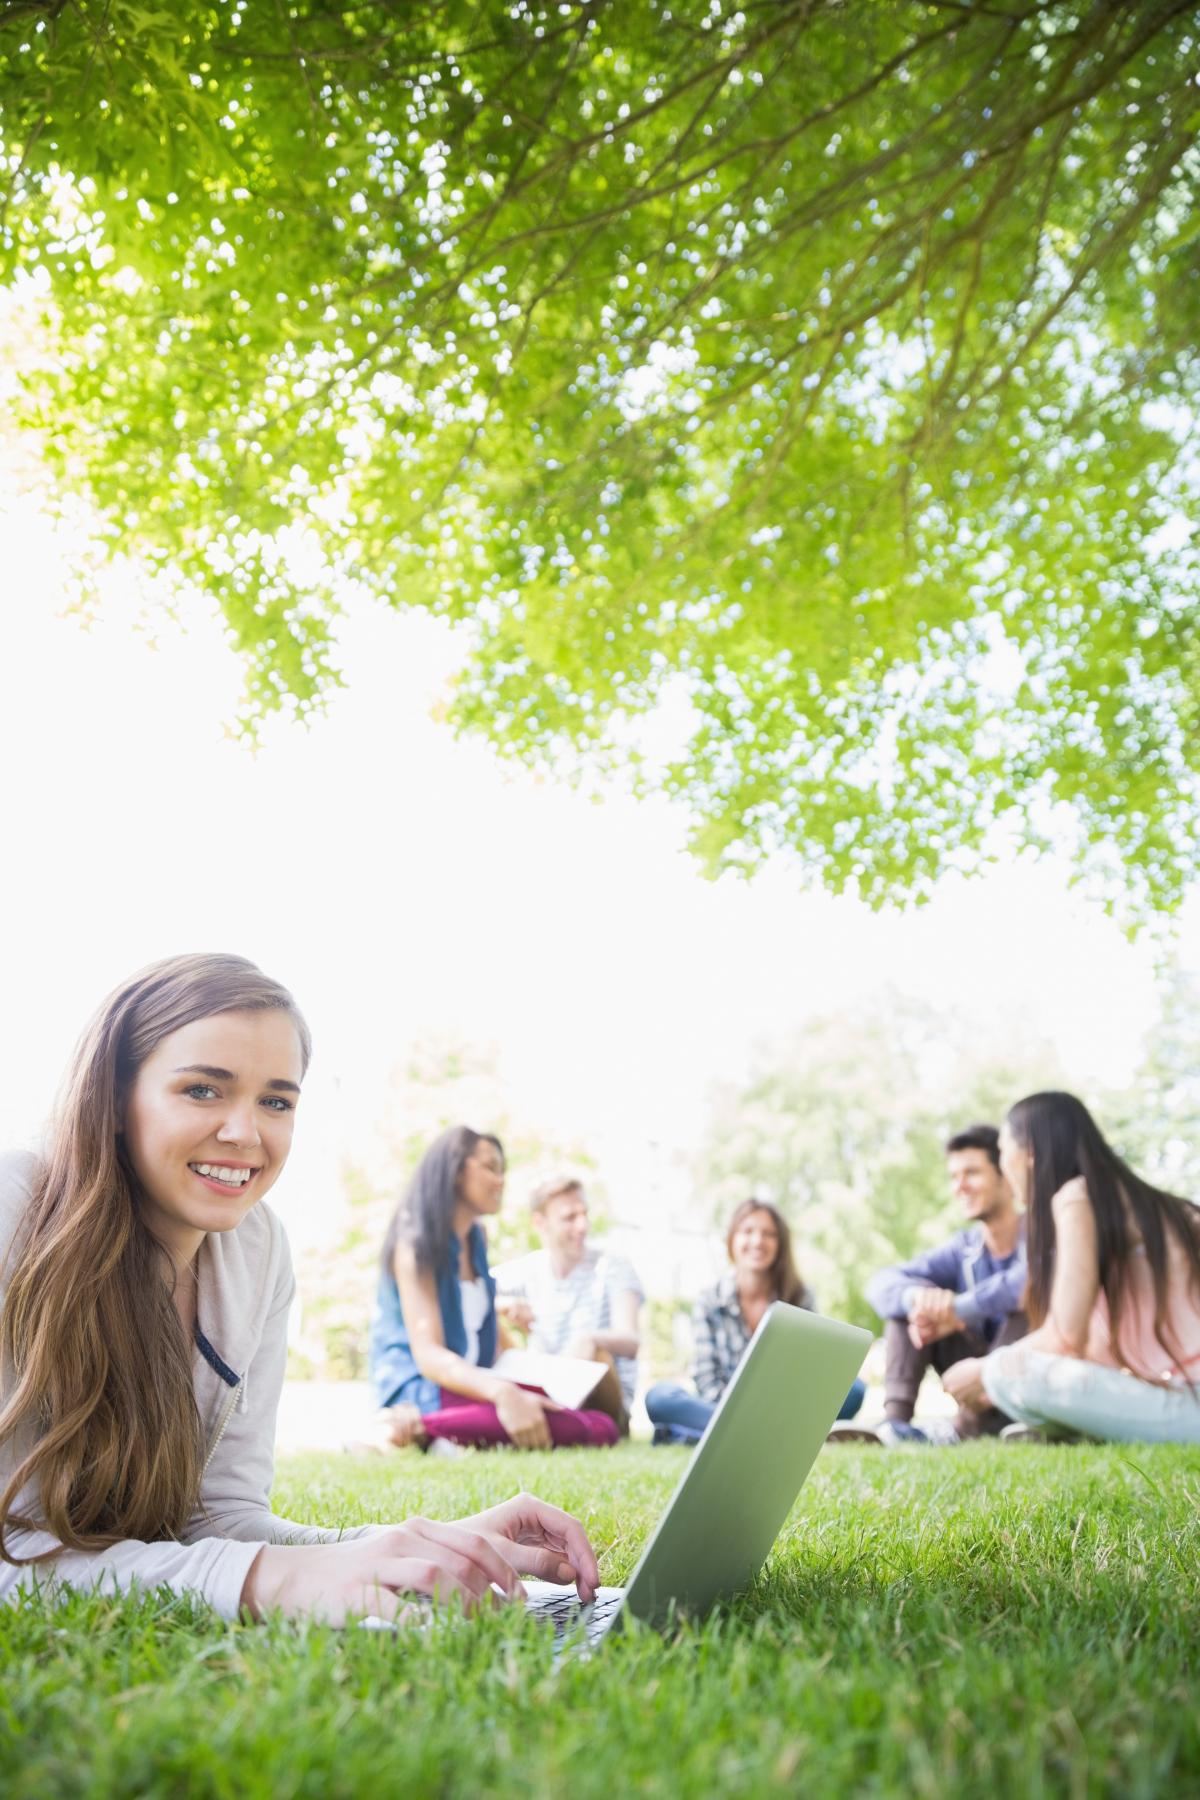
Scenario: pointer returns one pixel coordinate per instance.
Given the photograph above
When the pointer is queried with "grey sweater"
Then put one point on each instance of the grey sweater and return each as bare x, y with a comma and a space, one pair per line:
245, 1288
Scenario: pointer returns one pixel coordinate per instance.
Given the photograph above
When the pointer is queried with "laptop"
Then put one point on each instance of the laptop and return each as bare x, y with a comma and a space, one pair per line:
739, 1485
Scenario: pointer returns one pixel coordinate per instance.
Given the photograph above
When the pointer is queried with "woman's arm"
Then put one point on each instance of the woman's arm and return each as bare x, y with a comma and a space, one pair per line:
215, 1570
1064, 1332
468, 1559
423, 1317
522, 1414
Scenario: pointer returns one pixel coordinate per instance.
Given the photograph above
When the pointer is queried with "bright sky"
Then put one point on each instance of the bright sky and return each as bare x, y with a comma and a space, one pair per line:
406, 886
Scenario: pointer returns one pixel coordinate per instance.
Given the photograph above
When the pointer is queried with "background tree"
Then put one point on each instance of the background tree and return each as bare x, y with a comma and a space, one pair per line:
825, 367
1155, 1121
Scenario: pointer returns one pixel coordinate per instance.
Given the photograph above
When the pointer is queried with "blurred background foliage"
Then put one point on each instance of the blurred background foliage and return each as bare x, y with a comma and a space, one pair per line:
817, 378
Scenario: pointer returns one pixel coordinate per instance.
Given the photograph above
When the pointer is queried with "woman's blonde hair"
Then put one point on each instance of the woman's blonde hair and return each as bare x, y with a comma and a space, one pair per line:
101, 1412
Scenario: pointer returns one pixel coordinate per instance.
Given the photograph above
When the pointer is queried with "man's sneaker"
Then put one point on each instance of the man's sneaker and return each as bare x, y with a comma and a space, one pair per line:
942, 1432
895, 1432
845, 1432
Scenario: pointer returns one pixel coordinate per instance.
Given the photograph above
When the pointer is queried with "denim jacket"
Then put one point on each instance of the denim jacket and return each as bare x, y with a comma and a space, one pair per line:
395, 1376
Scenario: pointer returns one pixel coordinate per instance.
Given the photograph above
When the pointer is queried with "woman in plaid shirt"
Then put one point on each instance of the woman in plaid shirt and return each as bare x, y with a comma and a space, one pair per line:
726, 1317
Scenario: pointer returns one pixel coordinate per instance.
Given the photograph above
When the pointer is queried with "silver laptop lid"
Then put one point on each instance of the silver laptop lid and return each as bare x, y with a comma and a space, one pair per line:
747, 1469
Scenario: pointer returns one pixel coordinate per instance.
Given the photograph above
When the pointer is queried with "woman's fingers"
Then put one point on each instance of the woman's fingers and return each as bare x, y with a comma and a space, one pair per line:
372, 1576
529, 1521
535, 1436
476, 1560
541, 1562
392, 1608
560, 1531
436, 1577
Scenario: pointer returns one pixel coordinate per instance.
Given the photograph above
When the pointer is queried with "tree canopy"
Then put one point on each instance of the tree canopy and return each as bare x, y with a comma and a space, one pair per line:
821, 372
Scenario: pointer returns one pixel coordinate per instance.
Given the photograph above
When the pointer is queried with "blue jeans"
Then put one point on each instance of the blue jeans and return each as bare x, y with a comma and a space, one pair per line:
1040, 1389
679, 1417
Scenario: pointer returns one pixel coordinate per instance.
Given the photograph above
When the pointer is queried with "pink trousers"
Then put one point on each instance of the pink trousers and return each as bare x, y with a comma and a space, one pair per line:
477, 1422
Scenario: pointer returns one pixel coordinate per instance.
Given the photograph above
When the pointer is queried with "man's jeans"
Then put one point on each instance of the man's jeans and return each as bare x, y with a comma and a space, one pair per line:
679, 1417
906, 1364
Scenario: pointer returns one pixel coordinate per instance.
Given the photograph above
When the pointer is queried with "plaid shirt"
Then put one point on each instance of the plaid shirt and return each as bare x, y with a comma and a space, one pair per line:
720, 1335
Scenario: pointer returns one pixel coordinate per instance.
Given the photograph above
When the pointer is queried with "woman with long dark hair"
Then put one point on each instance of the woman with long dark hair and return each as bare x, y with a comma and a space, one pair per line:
763, 1271
434, 1336
145, 1287
1114, 1288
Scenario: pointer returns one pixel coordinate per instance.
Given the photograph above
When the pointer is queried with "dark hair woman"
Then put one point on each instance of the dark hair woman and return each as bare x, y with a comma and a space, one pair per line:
143, 1334
1114, 1287
434, 1336
725, 1318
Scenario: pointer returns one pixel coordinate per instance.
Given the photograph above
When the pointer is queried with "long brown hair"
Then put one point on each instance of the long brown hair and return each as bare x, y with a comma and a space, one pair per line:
1065, 1141
102, 1413
423, 1217
785, 1277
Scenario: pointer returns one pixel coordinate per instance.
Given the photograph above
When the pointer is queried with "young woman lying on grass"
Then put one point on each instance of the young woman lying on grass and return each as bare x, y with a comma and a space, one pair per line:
144, 1324
725, 1318
434, 1337
1114, 1290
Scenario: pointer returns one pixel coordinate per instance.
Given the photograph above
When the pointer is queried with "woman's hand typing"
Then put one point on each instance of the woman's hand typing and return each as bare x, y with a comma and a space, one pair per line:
468, 1560
373, 1575
540, 1540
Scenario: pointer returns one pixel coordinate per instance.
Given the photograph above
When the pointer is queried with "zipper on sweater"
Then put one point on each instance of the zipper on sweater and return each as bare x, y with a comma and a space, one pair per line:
230, 1407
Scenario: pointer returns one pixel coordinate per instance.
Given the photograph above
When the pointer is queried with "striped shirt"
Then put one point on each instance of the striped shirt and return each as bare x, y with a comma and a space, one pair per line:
720, 1335
572, 1305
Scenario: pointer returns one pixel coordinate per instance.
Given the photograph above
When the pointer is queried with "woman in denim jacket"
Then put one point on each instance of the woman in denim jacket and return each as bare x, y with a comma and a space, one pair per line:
434, 1337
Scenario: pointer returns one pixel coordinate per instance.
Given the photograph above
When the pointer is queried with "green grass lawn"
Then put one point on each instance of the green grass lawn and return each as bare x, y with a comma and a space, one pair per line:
1019, 1620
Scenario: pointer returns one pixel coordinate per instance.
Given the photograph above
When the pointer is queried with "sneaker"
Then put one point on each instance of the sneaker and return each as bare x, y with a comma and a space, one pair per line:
443, 1447
675, 1434
894, 1432
844, 1432
942, 1432
1041, 1434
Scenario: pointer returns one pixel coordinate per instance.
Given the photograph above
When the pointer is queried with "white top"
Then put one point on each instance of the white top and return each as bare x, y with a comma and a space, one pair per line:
244, 1289
574, 1305
474, 1296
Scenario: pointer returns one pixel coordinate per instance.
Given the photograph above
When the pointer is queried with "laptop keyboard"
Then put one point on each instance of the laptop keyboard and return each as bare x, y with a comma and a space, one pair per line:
543, 1600
560, 1606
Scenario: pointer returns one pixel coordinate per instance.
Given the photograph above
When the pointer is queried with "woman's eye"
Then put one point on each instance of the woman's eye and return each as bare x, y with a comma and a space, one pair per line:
276, 1104
200, 1090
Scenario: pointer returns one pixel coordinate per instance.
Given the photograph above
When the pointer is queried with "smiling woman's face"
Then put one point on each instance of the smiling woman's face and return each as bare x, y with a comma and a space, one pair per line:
1015, 1163
208, 1123
481, 1183
755, 1244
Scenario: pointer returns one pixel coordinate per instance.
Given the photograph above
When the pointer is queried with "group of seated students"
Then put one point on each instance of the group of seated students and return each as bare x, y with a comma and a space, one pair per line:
442, 1314
1059, 1228
145, 1287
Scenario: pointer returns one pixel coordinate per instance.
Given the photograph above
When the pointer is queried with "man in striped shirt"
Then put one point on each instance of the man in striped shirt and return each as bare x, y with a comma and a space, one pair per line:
574, 1300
